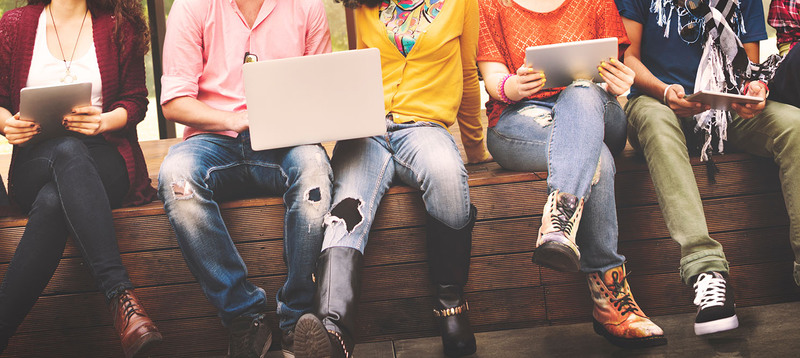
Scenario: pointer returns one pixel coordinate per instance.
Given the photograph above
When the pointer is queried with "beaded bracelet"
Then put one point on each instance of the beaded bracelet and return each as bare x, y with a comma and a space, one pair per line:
501, 89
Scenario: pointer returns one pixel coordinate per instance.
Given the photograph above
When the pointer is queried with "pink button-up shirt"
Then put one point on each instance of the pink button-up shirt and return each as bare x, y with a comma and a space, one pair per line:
206, 42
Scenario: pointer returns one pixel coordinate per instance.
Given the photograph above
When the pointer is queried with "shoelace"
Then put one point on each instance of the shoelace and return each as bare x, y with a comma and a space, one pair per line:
560, 218
128, 307
709, 291
625, 303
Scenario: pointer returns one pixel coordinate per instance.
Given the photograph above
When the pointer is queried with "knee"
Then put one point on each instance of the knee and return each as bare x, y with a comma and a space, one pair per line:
346, 213
586, 92
309, 171
47, 202
69, 148
179, 178
787, 137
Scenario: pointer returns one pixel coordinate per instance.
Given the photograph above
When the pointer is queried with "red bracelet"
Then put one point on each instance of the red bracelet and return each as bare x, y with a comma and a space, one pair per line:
501, 89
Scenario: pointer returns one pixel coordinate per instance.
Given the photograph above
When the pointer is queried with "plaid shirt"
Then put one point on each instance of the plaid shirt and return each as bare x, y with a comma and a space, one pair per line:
784, 16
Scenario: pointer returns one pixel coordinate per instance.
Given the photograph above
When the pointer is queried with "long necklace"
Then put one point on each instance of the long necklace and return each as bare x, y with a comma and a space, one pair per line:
69, 77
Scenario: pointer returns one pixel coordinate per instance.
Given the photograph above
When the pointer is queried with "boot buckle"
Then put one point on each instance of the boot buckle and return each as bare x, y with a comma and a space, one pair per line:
447, 312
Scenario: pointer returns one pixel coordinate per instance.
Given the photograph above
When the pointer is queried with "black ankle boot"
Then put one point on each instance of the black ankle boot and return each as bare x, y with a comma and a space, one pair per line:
448, 260
329, 332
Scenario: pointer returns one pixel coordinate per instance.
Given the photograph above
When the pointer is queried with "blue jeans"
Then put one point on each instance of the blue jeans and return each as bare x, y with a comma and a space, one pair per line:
422, 155
567, 135
207, 168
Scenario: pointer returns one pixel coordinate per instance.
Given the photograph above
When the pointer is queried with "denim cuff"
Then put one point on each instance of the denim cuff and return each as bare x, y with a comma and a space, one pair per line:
116, 290
702, 261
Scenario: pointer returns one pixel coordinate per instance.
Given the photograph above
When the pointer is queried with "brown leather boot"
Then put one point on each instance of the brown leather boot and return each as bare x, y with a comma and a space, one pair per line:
135, 329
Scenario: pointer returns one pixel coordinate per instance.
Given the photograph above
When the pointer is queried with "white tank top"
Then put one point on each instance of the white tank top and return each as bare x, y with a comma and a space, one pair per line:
46, 69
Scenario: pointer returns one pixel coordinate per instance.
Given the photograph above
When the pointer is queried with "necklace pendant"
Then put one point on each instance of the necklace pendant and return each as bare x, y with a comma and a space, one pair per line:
69, 77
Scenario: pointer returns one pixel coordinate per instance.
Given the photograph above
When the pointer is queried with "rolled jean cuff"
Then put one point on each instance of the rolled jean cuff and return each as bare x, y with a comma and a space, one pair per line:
703, 261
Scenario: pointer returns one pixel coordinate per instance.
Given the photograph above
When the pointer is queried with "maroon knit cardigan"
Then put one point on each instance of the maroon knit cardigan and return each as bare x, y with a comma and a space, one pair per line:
121, 73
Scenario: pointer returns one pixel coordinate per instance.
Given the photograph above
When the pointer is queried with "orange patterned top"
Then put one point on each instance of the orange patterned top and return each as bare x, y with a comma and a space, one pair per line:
505, 32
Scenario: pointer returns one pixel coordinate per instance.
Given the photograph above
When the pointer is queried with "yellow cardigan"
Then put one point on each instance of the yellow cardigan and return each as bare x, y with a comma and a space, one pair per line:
438, 80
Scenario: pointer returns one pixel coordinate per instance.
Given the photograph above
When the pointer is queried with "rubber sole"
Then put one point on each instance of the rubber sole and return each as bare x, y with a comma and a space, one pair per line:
311, 338
720, 325
556, 256
643, 342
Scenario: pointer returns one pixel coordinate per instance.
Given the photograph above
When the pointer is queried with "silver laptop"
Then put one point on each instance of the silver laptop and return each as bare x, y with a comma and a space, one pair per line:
313, 99
566, 62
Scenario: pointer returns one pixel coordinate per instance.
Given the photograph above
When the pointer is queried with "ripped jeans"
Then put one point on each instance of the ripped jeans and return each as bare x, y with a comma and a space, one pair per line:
573, 136
207, 168
422, 155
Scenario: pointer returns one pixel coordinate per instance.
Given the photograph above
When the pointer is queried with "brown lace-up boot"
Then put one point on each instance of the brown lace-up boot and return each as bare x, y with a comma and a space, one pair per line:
616, 315
135, 329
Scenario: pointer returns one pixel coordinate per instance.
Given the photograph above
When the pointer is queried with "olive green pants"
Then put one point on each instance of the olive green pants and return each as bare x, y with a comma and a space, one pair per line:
659, 134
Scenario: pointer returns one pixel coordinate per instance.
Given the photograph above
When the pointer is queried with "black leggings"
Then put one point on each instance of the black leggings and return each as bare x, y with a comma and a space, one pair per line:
68, 187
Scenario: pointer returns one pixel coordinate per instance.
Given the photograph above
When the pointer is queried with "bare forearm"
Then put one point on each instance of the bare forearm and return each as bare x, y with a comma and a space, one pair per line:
115, 120
196, 114
645, 81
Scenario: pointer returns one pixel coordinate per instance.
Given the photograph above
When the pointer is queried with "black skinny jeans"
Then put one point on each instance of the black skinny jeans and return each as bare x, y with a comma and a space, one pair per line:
68, 187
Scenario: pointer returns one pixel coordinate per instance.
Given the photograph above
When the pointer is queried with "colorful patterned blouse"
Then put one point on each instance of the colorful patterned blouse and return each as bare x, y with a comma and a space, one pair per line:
406, 20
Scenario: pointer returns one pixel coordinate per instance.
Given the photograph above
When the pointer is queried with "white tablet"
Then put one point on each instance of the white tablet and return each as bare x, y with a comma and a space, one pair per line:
47, 106
720, 100
569, 61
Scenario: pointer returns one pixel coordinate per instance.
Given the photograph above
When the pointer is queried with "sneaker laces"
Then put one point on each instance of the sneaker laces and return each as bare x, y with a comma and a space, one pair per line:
709, 290
617, 287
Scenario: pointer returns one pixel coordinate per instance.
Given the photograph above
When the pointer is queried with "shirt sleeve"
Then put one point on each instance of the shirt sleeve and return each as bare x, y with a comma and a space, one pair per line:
754, 23
610, 24
469, 122
132, 88
182, 58
633, 9
488, 48
7, 32
318, 37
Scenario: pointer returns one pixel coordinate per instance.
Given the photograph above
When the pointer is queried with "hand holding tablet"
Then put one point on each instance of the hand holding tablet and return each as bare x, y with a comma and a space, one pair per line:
566, 62
723, 101
47, 105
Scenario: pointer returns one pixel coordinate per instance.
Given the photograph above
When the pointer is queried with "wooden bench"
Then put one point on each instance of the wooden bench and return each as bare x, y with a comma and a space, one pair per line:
744, 209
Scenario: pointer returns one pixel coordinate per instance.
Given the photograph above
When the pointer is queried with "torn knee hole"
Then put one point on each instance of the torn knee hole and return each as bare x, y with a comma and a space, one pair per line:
583, 83
347, 210
542, 116
314, 195
182, 189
